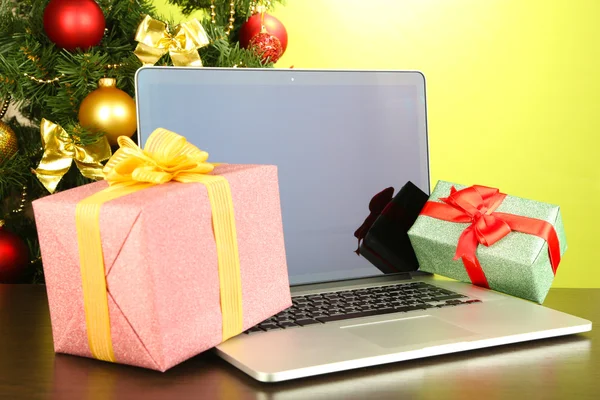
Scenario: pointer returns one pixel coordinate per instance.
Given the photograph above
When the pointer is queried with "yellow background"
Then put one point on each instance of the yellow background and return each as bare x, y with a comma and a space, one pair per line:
512, 90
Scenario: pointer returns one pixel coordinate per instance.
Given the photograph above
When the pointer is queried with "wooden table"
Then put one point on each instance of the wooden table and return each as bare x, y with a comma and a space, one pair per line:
560, 368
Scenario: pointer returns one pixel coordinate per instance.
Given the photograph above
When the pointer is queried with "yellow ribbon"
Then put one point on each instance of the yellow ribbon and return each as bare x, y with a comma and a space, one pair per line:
155, 41
166, 157
60, 150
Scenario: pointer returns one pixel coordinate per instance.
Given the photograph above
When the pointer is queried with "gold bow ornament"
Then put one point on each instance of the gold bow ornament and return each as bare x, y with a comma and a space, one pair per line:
166, 157
155, 40
61, 149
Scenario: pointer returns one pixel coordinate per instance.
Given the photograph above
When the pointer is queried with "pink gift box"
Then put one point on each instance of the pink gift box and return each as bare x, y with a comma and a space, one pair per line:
161, 265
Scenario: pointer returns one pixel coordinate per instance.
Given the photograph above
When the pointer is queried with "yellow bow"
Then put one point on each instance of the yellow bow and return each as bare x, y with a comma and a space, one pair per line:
155, 41
59, 152
166, 157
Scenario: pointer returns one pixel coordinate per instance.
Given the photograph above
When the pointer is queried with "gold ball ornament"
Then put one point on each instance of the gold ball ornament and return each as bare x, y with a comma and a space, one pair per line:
110, 110
8, 142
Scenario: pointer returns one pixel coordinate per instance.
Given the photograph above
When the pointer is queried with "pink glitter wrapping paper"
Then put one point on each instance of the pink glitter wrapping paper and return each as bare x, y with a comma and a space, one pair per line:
161, 265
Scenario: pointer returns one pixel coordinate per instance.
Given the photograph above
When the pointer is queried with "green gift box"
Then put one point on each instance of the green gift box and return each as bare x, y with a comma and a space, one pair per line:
477, 234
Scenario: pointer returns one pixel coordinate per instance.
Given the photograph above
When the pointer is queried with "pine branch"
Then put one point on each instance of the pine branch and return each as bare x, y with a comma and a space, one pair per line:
45, 81
14, 172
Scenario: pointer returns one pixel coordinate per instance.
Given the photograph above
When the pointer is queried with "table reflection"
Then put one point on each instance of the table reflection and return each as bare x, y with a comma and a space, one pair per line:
540, 363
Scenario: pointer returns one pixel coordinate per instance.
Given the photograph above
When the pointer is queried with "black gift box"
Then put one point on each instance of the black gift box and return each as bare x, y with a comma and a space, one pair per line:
383, 237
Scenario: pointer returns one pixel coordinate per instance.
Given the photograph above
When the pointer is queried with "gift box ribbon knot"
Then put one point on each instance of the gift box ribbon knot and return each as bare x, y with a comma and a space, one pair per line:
166, 157
476, 205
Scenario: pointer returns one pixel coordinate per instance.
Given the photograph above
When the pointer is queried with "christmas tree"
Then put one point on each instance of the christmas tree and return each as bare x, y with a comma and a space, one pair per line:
55, 76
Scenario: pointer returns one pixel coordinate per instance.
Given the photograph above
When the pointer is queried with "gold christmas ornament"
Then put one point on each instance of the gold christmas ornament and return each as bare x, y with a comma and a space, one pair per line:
60, 150
110, 110
8, 142
155, 40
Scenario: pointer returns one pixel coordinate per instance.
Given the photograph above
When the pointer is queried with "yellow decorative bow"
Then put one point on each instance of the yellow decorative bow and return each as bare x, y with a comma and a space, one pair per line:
166, 157
155, 41
60, 150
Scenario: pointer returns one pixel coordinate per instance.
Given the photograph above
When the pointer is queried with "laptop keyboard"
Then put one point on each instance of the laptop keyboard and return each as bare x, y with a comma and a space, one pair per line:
348, 304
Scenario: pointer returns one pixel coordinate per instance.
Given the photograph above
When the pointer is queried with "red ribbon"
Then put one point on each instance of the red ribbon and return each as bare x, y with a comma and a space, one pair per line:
476, 204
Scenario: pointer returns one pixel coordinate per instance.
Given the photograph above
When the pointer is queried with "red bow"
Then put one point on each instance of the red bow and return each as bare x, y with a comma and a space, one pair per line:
477, 205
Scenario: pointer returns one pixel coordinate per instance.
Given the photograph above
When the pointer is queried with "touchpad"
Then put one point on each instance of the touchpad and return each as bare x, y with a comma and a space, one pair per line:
408, 331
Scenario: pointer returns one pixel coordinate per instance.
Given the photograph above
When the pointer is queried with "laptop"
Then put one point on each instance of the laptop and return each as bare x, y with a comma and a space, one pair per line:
337, 137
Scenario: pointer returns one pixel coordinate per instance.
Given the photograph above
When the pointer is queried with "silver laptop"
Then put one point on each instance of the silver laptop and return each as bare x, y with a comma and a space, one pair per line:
338, 138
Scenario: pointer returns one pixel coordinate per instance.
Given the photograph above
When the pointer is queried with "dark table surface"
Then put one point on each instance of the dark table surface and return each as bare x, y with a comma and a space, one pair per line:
559, 368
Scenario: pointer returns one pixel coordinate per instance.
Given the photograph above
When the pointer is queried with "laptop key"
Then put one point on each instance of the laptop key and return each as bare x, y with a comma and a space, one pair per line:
268, 327
254, 329
302, 314
304, 322
449, 297
408, 308
300, 298
287, 324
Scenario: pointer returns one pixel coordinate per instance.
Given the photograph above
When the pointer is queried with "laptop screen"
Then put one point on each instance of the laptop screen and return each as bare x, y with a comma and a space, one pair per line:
337, 138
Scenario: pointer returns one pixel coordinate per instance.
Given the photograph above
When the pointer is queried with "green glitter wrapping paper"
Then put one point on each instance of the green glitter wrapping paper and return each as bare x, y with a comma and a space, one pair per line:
517, 264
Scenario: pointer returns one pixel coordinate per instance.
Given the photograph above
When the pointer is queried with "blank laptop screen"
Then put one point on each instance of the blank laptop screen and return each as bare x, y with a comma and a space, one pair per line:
337, 137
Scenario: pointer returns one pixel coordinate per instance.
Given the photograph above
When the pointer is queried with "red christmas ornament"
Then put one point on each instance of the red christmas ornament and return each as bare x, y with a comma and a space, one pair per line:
267, 46
253, 27
73, 24
14, 257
